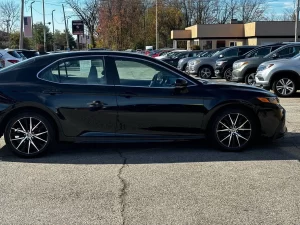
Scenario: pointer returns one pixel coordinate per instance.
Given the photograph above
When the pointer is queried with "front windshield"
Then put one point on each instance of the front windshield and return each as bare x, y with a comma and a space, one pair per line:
296, 56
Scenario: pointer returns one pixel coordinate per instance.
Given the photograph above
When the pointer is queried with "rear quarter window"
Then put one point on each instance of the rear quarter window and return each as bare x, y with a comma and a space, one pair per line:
14, 54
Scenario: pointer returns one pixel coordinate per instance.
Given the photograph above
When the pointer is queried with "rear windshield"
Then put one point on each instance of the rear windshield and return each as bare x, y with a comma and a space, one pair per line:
14, 54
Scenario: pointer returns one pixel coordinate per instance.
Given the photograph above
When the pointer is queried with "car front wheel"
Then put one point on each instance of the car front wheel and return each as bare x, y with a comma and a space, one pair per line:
250, 78
205, 72
228, 74
284, 87
29, 134
233, 129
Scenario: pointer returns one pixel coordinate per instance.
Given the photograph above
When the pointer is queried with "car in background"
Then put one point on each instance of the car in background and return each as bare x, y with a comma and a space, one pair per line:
281, 75
151, 100
9, 57
98, 49
174, 59
224, 66
244, 70
169, 54
205, 67
28, 53
182, 64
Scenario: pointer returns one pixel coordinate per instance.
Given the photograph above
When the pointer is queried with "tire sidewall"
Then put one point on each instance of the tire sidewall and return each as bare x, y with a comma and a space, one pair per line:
247, 76
205, 67
51, 134
225, 74
213, 134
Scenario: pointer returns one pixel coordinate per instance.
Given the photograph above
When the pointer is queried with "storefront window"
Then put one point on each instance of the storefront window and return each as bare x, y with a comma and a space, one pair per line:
207, 45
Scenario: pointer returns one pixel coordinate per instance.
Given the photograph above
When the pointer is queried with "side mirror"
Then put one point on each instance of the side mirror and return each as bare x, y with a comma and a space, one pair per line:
275, 56
180, 83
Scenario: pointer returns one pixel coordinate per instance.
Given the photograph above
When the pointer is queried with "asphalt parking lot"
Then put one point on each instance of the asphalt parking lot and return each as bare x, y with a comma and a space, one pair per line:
182, 183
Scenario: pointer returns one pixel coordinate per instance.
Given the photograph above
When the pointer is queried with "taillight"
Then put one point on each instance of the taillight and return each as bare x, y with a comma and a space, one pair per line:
13, 61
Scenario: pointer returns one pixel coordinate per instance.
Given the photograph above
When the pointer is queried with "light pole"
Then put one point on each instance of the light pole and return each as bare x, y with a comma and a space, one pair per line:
66, 28
157, 46
296, 20
45, 47
32, 21
53, 30
21, 26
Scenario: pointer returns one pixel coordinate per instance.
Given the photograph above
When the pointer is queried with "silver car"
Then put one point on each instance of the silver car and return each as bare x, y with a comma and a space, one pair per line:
282, 76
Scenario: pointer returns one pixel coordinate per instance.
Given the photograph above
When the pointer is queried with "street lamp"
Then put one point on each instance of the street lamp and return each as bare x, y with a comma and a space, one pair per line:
53, 30
32, 21
157, 46
296, 20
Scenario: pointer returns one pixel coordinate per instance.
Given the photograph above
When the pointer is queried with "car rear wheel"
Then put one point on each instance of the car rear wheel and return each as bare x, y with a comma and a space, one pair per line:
250, 78
228, 74
233, 129
205, 72
29, 134
284, 87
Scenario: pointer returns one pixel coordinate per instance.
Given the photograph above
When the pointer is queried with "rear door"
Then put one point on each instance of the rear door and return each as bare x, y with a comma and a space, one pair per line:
84, 96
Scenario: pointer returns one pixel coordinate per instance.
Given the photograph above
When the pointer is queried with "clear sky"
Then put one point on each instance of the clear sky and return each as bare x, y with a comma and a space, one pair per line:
276, 6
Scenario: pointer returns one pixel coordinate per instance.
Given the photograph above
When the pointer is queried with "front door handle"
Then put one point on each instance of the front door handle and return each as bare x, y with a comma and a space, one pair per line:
96, 105
128, 94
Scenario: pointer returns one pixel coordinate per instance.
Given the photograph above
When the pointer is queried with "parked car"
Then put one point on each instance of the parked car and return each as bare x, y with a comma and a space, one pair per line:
174, 59
28, 53
244, 70
126, 97
182, 64
9, 57
205, 67
224, 66
169, 54
282, 76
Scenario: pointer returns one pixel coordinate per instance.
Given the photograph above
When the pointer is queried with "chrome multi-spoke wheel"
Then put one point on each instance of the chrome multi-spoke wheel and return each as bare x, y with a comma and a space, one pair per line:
284, 87
228, 74
205, 73
234, 130
28, 134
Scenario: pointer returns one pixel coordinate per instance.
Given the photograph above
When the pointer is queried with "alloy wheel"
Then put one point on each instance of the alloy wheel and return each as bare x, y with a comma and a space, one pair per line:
251, 79
234, 130
205, 73
285, 86
29, 135
228, 74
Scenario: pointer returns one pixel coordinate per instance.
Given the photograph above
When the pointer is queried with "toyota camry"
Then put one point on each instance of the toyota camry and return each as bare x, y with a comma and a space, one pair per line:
88, 97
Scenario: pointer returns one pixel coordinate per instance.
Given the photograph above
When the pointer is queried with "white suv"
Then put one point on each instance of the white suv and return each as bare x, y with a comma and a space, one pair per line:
9, 57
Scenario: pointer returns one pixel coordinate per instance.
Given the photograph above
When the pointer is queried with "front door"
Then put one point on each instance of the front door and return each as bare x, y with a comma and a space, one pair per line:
149, 104
84, 95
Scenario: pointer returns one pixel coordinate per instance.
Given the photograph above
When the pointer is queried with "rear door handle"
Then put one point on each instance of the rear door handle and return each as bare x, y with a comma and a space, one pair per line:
128, 94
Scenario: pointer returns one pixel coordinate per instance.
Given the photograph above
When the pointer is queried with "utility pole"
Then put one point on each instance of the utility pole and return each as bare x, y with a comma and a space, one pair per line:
45, 47
296, 20
66, 28
32, 22
21, 25
53, 30
157, 46
7, 26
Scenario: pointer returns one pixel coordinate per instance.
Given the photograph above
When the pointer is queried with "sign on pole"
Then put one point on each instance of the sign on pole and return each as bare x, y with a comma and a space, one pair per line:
77, 27
27, 26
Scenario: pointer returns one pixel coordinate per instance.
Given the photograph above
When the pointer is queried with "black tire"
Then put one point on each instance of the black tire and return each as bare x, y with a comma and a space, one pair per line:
284, 86
228, 74
205, 72
230, 138
185, 68
250, 78
39, 141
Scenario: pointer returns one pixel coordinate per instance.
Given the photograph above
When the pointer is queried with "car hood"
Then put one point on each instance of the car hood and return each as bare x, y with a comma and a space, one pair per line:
279, 62
189, 58
238, 87
253, 60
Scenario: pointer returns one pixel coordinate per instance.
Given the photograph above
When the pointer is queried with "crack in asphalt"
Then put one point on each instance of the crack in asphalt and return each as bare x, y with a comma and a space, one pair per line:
123, 192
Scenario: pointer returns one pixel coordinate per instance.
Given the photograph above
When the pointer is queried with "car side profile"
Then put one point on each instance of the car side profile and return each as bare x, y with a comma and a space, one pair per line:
282, 76
92, 97
173, 61
244, 70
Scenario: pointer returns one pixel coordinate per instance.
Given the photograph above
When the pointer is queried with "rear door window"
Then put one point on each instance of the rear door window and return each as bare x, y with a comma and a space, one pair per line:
243, 51
14, 54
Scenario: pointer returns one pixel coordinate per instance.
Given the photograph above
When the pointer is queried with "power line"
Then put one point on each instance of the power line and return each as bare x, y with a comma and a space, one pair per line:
40, 12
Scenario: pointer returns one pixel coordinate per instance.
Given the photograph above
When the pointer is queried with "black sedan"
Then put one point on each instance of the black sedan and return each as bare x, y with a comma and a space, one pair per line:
91, 96
174, 59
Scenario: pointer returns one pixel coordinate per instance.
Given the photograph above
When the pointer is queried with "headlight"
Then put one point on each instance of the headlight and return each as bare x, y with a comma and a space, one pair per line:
220, 63
273, 100
239, 64
263, 67
180, 61
193, 62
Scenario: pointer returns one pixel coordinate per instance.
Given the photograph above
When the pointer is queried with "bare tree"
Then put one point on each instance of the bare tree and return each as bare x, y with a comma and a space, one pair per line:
88, 12
251, 10
9, 14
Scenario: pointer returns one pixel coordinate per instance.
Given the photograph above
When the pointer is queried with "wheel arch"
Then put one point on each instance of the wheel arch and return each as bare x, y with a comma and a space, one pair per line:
44, 112
209, 66
209, 118
287, 73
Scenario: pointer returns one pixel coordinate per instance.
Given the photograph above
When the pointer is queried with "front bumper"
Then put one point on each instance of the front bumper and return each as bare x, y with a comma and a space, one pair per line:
219, 71
273, 122
237, 76
192, 70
